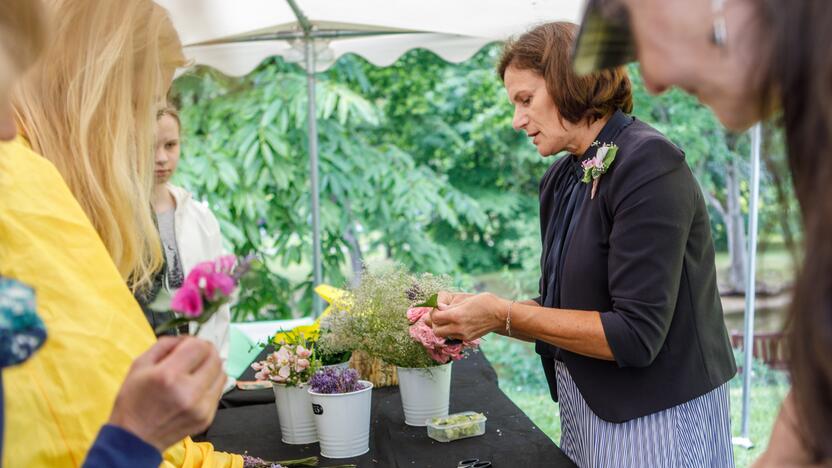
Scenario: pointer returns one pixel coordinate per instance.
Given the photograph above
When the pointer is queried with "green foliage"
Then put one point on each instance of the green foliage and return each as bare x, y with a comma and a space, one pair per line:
419, 163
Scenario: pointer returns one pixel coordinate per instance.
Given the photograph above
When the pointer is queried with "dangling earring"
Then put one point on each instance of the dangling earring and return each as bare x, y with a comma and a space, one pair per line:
720, 32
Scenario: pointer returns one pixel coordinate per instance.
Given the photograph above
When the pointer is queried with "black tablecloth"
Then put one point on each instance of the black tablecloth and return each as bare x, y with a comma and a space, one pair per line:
511, 439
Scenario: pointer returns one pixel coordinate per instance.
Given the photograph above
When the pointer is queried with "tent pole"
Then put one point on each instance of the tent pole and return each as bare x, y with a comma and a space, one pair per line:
308, 43
750, 288
313, 176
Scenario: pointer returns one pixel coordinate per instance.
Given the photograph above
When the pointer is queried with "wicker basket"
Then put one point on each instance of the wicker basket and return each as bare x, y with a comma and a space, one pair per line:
375, 370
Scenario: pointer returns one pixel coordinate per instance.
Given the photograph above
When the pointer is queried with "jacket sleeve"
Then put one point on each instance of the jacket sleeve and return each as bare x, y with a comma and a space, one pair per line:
116, 448
652, 204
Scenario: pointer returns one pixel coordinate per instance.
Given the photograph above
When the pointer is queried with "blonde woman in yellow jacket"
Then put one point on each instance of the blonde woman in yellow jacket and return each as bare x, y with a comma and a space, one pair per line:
84, 107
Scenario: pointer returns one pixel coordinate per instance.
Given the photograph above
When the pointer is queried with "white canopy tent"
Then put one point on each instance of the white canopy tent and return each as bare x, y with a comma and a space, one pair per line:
235, 37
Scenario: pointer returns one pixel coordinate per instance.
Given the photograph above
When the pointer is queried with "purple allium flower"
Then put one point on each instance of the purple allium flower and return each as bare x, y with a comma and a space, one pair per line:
335, 380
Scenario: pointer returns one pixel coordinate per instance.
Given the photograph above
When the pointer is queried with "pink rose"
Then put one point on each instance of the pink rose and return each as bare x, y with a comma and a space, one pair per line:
187, 301
256, 366
301, 365
416, 313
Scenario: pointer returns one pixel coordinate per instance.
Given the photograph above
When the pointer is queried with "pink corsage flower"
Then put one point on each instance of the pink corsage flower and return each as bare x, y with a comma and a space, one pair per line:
598, 165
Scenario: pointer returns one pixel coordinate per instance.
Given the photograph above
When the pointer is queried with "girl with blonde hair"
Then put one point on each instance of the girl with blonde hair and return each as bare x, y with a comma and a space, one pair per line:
89, 106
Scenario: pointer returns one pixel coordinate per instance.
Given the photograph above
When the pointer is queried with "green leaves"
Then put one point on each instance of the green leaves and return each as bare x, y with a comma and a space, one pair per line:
432, 302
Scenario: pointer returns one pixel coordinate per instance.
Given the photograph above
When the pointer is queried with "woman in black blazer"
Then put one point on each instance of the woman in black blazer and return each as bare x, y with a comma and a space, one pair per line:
628, 323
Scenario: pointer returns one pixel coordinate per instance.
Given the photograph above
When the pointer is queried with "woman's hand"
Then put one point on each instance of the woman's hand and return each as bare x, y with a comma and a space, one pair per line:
451, 298
468, 318
171, 391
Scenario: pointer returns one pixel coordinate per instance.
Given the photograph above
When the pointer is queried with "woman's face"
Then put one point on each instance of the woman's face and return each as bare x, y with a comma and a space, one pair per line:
675, 48
167, 148
535, 112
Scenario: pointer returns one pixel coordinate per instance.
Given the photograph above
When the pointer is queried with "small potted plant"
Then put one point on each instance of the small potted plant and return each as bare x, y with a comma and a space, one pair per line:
289, 368
341, 404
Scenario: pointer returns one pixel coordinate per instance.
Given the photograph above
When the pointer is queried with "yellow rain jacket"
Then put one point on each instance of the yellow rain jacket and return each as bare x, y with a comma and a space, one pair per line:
58, 400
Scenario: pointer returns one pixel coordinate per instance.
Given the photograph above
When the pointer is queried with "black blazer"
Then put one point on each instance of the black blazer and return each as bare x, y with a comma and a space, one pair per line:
641, 253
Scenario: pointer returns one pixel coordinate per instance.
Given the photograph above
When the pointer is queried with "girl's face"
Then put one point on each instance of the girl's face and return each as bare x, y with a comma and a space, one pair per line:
167, 148
674, 42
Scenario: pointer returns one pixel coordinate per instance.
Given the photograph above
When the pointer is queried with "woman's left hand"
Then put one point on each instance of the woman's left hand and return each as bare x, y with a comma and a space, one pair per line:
470, 319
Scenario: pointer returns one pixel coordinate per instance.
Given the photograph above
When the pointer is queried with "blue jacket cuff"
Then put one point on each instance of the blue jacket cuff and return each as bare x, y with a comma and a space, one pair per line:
117, 448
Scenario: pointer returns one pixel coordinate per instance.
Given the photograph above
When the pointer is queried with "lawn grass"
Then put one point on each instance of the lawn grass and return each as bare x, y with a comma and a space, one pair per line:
522, 380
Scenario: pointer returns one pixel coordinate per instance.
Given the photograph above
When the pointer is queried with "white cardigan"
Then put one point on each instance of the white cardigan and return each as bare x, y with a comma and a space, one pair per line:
198, 239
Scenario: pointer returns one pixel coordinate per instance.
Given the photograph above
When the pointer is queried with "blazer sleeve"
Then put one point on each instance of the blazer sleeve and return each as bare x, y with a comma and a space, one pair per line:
652, 205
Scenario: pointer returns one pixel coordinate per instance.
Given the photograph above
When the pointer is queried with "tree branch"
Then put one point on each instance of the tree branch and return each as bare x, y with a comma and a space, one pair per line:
716, 204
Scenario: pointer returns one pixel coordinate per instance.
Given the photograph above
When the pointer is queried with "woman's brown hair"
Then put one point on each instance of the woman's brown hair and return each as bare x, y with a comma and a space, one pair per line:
546, 49
800, 77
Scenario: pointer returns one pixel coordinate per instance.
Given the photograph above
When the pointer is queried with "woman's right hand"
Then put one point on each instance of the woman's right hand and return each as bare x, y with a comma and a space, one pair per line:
170, 392
451, 298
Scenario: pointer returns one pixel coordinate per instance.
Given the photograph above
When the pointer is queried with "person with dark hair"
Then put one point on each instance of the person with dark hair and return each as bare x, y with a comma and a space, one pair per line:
747, 59
629, 322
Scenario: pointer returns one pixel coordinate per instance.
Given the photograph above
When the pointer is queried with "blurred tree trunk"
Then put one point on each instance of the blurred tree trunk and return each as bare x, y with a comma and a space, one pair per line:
730, 210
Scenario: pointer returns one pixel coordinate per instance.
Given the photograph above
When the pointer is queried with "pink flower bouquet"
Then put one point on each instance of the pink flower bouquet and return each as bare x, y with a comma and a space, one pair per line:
439, 349
208, 286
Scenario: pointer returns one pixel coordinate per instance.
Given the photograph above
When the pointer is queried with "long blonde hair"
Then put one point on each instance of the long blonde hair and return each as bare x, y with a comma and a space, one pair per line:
89, 106
22, 38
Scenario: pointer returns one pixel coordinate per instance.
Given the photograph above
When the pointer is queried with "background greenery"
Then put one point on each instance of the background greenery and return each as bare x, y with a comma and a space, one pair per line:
419, 164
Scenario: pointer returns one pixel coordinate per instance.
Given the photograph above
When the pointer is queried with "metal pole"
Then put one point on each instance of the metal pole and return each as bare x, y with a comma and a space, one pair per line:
313, 175
308, 42
750, 287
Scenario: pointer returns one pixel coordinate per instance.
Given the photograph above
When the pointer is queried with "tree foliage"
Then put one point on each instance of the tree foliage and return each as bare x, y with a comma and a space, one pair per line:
418, 163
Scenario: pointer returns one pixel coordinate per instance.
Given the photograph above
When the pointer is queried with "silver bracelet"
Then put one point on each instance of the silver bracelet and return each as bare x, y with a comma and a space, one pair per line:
508, 319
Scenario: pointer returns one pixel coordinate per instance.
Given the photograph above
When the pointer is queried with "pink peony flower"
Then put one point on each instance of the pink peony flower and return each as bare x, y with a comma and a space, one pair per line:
187, 301
416, 313
436, 347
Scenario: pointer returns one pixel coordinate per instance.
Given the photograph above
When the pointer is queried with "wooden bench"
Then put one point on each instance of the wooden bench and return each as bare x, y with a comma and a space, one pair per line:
768, 347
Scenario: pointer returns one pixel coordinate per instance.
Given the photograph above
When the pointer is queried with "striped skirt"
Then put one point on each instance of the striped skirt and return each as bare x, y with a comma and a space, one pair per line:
696, 433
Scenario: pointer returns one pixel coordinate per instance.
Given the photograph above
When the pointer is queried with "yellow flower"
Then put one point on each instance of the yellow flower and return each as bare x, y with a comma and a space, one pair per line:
311, 332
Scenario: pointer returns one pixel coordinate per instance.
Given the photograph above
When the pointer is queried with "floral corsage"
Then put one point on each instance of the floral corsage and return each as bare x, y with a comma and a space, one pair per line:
598, 165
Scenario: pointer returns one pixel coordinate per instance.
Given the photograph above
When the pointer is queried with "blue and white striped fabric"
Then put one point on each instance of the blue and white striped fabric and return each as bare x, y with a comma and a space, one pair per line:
694, 434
